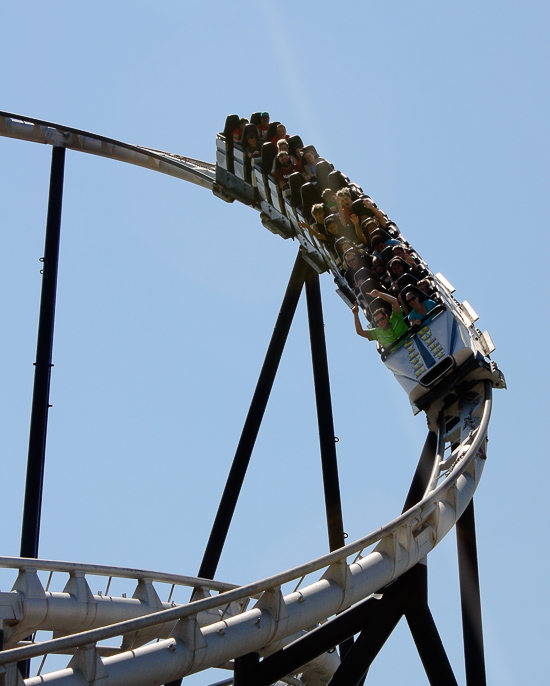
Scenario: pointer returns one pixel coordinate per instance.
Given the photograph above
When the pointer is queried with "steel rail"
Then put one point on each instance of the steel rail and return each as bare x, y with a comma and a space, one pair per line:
115, 572
367, 575
40, 131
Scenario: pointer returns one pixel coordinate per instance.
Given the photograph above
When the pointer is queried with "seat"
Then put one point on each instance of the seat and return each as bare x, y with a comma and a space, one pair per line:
271, 130
232, 122
293, 143
363, 273
336, 180
310, 196
405, 280
248, 129
269, 153
296, 181
322, 171
386, 255
310, 148
377, 303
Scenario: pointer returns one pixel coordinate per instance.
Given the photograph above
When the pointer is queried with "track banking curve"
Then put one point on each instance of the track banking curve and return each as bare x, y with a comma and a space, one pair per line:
219, 626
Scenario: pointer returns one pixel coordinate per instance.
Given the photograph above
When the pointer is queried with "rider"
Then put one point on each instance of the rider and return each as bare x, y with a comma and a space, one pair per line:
389, 327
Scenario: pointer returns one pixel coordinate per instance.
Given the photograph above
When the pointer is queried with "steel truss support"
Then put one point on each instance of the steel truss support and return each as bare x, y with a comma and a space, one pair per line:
374, 618
470, 597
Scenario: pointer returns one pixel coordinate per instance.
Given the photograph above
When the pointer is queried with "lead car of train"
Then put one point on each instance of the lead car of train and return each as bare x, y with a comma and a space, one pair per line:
444, 354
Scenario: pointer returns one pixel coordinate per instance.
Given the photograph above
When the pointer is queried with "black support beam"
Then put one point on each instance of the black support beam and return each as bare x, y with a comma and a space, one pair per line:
30, 531
424, 632
423, 472
333, 503
32, 507
470, 598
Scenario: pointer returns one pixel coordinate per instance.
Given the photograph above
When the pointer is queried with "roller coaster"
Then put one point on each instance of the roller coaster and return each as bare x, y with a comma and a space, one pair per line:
297, 626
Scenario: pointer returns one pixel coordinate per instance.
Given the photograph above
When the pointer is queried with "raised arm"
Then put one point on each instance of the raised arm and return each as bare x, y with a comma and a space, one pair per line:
368, 203
394, 302
358, 328
320, 236
358, 230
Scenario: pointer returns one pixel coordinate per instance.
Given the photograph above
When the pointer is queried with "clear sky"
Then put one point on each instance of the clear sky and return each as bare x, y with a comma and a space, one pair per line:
168, 296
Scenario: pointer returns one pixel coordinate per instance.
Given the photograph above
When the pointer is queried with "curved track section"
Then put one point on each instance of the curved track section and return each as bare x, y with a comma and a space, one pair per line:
218, 625
38, 131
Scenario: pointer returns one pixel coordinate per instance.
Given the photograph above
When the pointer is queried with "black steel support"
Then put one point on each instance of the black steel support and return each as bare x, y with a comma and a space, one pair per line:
316, 642
253, 421
41, 394
423, 472
424, 632
374, 618
30, 530
244, 666
325, 420
383, 618
470, 598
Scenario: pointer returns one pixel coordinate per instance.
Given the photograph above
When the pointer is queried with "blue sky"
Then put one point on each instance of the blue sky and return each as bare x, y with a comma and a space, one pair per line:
168, 296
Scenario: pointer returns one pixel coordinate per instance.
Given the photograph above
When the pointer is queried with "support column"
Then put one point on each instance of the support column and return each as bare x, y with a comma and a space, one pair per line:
41, 394
325, 420
253, 421
423, 472
244, 668
30, 530
424, 631
470, 598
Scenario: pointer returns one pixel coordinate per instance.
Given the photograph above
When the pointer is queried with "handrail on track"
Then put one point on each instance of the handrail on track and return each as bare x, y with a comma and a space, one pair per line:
115, 572
415, 516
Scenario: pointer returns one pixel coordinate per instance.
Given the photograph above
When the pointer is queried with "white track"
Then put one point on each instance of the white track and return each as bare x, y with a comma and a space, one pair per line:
218, 626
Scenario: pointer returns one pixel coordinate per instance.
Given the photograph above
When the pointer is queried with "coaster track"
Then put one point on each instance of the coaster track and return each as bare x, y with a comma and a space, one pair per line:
224, 621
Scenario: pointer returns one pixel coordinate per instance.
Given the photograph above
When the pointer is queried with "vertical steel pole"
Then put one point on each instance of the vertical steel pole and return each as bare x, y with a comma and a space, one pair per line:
253, 421
41, 394
30, 530
470, 598
245, 667
325, 420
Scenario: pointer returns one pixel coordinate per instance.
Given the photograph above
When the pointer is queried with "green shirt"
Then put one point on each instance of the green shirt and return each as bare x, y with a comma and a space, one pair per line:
387, 336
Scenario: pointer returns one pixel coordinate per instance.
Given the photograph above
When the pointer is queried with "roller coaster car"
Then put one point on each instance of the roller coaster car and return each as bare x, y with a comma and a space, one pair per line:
438, 357
253, 185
